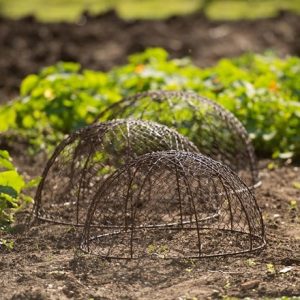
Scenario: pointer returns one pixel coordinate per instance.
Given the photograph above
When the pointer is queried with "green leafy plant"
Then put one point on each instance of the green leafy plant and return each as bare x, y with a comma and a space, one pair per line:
159, 250
261, 90
7, 244
58, 100
293, 205
270, 268
296, 185
12, 186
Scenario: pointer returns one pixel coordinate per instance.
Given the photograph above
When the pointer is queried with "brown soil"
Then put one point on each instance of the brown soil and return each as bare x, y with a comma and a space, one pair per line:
45, 263
104, 41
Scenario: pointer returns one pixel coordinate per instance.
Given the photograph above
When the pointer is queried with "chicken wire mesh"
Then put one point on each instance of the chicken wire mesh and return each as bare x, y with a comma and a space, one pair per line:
88, 156
173, 204
214, 130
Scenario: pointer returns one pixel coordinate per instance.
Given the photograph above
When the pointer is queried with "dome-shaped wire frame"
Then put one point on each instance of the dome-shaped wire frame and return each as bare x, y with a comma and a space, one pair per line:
173, 204
214, 130
88, 156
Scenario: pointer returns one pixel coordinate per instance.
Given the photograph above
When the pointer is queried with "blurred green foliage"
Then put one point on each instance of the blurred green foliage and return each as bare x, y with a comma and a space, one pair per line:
70, 10
263, 91
248, 9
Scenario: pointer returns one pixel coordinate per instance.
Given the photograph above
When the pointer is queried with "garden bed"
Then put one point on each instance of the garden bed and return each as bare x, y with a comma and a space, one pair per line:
45, 263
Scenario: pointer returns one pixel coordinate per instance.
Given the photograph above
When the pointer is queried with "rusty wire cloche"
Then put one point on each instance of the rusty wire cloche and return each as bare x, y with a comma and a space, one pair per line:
141, 189
173, 204
213, 129
88, 156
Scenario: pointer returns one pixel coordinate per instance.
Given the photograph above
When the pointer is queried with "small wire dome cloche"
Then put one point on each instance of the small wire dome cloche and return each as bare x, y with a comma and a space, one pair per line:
88, 156
173, 204
213, 129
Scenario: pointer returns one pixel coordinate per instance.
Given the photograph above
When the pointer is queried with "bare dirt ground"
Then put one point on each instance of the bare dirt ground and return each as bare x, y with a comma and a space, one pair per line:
45, 262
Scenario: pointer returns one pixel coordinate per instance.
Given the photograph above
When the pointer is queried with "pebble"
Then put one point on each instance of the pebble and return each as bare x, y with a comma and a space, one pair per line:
252, 284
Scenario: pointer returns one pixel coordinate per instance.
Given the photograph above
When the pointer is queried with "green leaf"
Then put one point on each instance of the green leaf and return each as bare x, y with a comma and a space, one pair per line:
5, 161
8, 244
26, 199
28, 121
12, 183
4, 154
7, 118
270, 268
296, 185
12, 179
8, 190
33, 182
28, 84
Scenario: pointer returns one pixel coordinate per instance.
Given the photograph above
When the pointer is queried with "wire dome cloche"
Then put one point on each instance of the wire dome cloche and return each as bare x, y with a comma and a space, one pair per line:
88, 156
173, 204
214, 130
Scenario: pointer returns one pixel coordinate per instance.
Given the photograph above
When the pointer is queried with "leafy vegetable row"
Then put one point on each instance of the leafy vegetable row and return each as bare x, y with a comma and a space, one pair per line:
263, 91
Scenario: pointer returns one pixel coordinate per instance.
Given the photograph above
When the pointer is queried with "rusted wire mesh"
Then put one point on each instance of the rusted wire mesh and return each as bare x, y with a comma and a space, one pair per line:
87, 157
173, 204
213, 129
